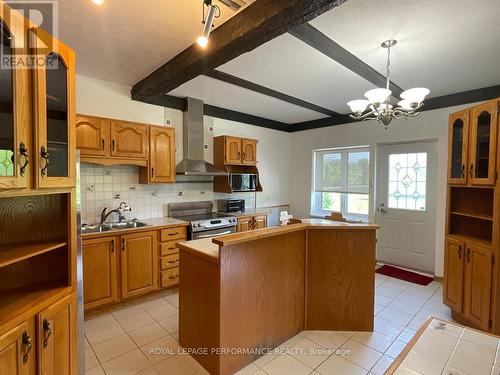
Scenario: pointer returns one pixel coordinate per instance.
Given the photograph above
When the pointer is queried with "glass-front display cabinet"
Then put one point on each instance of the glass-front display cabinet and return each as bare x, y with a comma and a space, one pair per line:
458, 141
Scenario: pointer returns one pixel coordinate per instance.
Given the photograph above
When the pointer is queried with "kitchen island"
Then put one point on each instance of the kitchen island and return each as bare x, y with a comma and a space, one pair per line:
243, 294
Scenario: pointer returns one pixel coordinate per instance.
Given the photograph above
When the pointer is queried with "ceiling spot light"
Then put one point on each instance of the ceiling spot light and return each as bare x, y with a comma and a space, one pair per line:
208, 21
98, 2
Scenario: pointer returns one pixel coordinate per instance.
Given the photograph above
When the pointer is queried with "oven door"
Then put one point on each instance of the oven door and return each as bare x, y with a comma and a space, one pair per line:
213, 233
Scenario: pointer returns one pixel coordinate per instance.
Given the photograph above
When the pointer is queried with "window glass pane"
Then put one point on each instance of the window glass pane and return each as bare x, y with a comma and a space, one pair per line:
331, 171
358, 172
357, 204
330, 202
407, 181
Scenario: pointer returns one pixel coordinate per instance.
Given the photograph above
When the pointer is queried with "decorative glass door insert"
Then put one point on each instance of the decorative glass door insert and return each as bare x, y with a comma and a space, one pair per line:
407, 181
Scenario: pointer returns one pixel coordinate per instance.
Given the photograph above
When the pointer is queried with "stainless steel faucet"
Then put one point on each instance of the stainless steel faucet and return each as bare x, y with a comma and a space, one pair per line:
124, 207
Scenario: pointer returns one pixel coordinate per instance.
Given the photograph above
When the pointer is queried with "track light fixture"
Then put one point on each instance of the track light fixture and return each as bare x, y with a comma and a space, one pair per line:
208, 21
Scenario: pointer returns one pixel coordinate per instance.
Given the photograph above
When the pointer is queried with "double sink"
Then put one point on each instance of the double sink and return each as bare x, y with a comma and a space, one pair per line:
98, 228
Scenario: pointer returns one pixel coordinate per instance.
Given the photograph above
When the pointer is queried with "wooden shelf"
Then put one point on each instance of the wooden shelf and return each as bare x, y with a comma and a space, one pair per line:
464, 238
12, 253
15, 302
471, 215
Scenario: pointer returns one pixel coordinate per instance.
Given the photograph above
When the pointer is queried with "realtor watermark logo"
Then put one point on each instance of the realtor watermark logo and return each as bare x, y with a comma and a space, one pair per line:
36, 49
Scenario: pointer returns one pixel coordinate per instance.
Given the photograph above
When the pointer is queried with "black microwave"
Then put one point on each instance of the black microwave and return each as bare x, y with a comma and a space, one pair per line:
244, 181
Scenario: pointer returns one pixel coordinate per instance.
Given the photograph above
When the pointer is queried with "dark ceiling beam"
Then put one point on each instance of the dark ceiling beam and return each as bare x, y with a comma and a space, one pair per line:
237, 81
319, 41
258, 23
465, 97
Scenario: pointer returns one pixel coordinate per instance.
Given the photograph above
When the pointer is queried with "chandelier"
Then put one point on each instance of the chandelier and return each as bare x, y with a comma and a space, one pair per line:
378, 106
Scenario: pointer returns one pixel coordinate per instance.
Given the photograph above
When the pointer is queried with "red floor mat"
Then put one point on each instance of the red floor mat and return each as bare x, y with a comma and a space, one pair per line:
401, 274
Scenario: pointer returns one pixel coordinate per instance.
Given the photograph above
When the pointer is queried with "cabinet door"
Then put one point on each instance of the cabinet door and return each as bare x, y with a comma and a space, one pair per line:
483, 143
129, 140
57, 338
17, 350
249, 152
99, 271
260, 222
54, 112
138, 263
453, 274
233, 150
14, 107
478, 266
92, 136
458, 143
162, 154
244, 224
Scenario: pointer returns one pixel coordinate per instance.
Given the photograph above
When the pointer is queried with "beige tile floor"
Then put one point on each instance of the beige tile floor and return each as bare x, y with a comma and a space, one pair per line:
119, 342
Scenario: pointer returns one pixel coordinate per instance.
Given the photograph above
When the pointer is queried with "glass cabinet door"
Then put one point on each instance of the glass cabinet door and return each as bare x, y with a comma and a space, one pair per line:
458, 141
482, 161
54, 113
14, 158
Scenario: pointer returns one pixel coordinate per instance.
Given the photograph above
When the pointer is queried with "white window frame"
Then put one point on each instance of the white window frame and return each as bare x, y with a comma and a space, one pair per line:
316, 196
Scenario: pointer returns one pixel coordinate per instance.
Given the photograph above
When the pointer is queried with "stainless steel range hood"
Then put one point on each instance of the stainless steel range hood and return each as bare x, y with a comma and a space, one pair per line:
193, 144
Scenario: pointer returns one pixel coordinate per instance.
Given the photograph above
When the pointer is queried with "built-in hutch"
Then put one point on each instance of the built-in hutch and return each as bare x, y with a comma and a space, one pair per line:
472, 245
37, 202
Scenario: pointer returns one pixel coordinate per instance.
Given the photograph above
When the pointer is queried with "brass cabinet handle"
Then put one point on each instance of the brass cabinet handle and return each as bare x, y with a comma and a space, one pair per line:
468, 255
459, 251
102, 144
47, 328
24, 152
172, 261
45, 155
27, 344
113, 145
173, 277
152, 171
173, 234
471, 168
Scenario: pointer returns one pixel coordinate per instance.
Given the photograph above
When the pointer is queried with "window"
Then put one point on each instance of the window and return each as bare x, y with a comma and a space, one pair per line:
341, 180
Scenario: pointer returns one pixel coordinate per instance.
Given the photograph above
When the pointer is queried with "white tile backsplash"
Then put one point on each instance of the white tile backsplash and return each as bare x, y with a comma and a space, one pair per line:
108, 186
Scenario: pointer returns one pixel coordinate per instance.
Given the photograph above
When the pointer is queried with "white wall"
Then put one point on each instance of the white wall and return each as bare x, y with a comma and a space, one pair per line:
100, 185
428, 125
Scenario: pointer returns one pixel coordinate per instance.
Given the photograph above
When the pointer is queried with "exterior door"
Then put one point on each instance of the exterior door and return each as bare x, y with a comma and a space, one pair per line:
92, 136
233, 150
129, 140
483, 143
454, 254
458, 147
54, 113
406, 203
18, 350
139, 263
249, 152
478, 266
162, 154
56, 335
99, 271
14, 109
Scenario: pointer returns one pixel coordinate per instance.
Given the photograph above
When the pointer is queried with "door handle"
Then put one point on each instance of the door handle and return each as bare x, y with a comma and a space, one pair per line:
468, 255
459, 252
462, 173
382, 210
47, 329
27, 343
215, 235
24, 152
471, 168
45, 155
103, 144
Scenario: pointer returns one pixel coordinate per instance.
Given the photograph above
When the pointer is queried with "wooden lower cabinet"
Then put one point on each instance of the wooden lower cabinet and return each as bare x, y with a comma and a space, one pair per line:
138, 264
478, 272
57, 338
260, 222
99, 269
247, 223
453, 287
18, 350
468, 281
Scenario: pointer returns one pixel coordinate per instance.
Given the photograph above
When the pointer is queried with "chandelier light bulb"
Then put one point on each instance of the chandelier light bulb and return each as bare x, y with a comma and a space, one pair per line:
202, 41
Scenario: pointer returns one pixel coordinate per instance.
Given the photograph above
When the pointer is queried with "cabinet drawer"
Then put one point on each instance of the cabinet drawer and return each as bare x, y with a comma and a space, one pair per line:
169, 277
168, 248
169, 261
173, 234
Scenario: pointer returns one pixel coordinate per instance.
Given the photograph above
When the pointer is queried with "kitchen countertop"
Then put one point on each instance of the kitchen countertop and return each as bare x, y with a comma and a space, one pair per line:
152, 224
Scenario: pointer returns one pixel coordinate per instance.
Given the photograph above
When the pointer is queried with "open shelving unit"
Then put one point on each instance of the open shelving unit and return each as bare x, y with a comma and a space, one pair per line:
12, 253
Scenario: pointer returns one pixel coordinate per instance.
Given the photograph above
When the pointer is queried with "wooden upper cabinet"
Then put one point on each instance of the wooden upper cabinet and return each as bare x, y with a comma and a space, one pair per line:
161, 156
54, 112
454, 254
15, 107
483, 143
99, 265
249, 152
129, 140
56, 338
478, 272
458, 147
18, 350
93, 136
138, 263
233, 150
